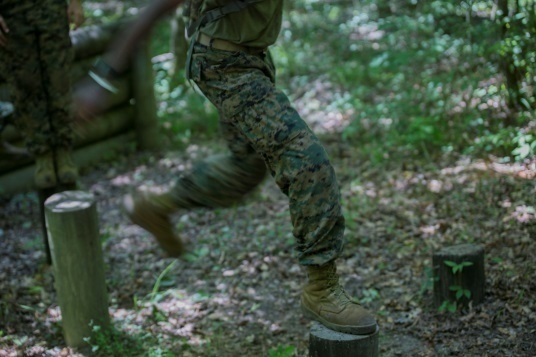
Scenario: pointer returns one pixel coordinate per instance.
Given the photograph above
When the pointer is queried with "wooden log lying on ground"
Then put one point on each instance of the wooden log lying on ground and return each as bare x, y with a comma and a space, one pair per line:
90, 41
108, 125
459, 276
324, 342
73, 232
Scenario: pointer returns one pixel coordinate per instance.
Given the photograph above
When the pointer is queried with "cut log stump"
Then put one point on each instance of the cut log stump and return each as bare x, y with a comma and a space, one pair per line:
459, 276
324, 342
43, 195
72, 224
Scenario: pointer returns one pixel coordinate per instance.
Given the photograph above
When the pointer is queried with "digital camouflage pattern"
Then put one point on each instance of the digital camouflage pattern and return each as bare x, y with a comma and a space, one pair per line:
257, 25
262, 130
36, 64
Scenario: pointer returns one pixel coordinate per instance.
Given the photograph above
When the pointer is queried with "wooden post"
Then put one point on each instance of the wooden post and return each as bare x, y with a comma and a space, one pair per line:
71, 218
324, 342
179, 47
43, 195
145, 120
459, 275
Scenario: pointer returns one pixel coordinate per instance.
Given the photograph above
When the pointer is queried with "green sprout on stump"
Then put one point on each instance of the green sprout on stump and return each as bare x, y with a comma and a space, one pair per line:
457, 268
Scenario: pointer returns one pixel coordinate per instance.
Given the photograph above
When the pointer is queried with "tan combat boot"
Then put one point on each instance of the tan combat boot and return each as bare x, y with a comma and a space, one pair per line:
325, 301
67, 171
151, 212
45, 176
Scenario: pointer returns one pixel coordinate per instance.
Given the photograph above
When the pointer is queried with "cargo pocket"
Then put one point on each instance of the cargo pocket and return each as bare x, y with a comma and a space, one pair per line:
195, 72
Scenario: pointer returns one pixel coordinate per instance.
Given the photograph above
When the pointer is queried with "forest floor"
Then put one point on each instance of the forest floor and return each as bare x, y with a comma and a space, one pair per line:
238, 291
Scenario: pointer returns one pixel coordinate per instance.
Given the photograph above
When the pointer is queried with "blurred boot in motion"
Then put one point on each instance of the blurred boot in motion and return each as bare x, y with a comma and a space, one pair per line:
152, 212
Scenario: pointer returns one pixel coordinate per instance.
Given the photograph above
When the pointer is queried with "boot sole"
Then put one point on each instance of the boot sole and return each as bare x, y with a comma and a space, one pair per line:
352, 330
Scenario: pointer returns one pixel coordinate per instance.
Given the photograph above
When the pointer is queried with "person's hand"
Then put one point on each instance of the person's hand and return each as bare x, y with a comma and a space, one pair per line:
75, 12
3, 32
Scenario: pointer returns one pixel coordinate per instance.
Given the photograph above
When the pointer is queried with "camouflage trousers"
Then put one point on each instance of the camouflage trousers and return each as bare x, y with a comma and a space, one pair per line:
263, 130
36, 65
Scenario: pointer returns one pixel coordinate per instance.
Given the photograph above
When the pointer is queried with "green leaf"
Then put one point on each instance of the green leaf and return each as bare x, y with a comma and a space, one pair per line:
522, 151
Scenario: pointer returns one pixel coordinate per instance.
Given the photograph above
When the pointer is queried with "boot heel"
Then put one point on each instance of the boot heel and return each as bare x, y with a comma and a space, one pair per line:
67, 171
45, 176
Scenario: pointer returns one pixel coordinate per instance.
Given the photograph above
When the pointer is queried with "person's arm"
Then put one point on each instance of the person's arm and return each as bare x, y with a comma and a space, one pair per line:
118, 57
75, 13
3, 31
91, 96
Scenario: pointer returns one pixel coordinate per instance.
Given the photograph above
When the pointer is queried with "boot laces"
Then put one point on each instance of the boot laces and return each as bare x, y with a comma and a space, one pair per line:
337, 290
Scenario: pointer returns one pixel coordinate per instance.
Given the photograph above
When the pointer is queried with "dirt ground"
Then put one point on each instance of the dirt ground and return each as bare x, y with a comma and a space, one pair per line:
238, 290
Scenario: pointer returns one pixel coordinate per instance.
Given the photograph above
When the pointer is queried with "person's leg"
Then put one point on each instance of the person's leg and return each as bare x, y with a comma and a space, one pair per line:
20, 62
219, 181
56, 56
242, 87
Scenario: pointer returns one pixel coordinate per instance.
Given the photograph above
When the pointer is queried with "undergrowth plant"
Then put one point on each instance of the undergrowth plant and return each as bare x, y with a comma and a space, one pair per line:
416, 79
457, 268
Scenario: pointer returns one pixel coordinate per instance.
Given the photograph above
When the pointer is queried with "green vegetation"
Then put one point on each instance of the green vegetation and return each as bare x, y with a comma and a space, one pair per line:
411, 79
112, 342
419, 79
457, 268
398, 90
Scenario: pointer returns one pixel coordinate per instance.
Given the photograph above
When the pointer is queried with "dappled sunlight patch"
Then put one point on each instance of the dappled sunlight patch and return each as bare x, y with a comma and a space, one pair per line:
53, 315
526, 170
430, 230
437, 186
367, 32
122, 180
368, 189
523, 214
131, 240
324, 107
